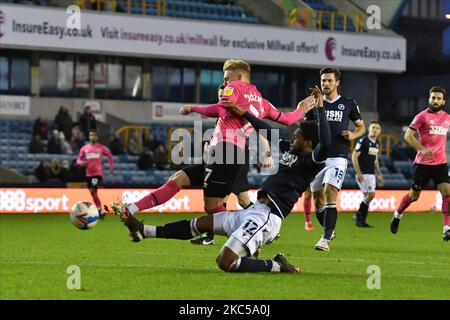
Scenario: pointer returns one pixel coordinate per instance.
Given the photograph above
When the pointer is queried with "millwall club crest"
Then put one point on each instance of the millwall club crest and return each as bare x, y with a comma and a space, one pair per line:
341, 107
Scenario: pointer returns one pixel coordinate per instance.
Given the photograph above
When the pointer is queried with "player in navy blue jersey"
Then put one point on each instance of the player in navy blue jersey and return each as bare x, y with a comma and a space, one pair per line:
250, 229
327, 184
368, 172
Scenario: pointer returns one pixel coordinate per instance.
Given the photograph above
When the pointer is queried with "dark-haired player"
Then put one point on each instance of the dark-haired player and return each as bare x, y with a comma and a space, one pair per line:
431, 160
91, 156
328, 182
368, 172
250, 229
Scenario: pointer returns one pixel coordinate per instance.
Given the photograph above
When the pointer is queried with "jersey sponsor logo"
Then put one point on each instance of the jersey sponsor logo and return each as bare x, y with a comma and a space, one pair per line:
341, 107
288, 159
373, 151
334, 115
92, 155
439, 130
228, 91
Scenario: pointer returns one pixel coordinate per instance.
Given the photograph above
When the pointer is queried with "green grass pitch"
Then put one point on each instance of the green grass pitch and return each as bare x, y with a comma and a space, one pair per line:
36, 250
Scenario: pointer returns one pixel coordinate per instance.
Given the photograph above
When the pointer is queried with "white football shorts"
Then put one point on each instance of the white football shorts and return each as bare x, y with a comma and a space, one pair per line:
369, 184
333, 173
253, 227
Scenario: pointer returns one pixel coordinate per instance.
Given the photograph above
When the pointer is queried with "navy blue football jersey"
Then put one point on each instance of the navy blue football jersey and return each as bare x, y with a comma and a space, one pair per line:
295, 173
369, 150
339, 113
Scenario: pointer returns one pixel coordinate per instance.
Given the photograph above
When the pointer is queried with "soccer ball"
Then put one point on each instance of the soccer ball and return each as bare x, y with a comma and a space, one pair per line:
84, 215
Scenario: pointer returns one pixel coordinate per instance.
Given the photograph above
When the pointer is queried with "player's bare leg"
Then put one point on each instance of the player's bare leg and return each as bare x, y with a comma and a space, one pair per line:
361, 215
409, 198
444, 188
307, 201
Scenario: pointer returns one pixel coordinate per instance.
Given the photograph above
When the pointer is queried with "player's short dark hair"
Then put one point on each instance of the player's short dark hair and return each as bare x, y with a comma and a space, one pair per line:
94, 131
221, 87
335, 71
438, 89
375, 122
310, 132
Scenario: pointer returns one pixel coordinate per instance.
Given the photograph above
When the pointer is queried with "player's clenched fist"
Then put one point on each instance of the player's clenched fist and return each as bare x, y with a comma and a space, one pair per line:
185, 110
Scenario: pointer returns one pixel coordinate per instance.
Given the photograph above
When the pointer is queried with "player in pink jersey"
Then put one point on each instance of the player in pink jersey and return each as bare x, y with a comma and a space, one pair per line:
432, 125
219, 179
91, 156
231, 131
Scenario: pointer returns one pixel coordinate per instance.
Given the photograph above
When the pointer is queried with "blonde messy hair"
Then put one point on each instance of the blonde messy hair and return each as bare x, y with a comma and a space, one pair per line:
236, 64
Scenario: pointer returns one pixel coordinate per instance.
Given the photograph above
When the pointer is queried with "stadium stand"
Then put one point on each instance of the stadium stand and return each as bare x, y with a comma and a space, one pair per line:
16, 134
198, 9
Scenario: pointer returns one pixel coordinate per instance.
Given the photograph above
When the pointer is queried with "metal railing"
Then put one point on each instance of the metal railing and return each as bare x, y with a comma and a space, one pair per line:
386, 141
308, 18
125, 131
357, 20
112, 5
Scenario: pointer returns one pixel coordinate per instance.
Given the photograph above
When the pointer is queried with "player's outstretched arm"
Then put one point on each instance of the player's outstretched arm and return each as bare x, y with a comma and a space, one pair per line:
288, 118
256, 123
321, 150
210, 110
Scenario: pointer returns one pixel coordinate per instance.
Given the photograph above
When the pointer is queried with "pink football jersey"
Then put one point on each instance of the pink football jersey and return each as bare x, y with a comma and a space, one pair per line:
93, 155
234, 129
432, 128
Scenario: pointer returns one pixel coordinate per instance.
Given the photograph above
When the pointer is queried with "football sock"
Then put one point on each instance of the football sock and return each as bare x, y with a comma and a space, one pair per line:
307, 208
96, 199
133, 208
245, 264
182, 230
159, 196
445, 211
320, 215
363, 211
329, 220
397, 215
406, 201
149, 231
